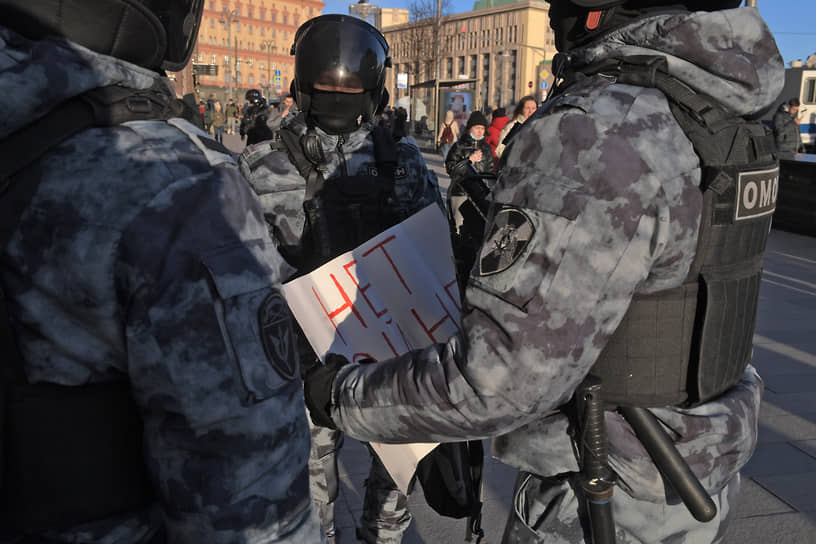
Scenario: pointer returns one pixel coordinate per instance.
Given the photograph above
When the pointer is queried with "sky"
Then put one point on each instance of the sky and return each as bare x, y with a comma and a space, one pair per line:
792, 22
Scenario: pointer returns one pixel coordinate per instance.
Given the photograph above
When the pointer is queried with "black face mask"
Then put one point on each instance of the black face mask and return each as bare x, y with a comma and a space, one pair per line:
337, 113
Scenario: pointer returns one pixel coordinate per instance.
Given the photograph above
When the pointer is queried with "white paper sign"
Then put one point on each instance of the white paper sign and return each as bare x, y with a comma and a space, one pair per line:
393, 294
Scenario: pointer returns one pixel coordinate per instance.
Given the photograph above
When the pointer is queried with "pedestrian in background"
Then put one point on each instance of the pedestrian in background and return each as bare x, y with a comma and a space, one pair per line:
786, 127
469, 156
524, 109
497, 124
219, 119
231, 113
447, 135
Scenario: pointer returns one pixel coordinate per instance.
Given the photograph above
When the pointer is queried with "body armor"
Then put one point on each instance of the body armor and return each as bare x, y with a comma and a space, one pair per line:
691, 343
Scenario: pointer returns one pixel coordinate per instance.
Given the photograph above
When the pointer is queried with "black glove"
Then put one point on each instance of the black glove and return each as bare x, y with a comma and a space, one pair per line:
317, 387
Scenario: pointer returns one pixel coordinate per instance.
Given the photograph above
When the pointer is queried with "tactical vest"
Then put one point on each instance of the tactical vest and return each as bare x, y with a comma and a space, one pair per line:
70, 454
344, 211
686, 345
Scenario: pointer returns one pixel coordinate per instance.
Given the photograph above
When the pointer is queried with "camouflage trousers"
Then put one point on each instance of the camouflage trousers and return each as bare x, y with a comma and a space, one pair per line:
385, 508
548, 511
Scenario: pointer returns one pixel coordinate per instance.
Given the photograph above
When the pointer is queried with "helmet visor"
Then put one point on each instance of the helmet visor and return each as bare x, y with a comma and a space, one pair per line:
181, 20
340, 54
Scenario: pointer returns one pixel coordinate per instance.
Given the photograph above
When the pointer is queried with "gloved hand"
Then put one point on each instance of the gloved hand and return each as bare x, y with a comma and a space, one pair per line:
317, 387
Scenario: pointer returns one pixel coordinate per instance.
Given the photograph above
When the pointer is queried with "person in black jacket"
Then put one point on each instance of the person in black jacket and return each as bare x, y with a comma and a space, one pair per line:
470, 155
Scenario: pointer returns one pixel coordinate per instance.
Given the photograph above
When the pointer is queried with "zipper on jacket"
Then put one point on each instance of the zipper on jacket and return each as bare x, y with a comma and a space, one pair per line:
340, 141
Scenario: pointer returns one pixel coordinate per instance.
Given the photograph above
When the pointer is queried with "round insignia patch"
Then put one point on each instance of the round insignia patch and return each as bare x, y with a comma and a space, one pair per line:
507, 239
275, 325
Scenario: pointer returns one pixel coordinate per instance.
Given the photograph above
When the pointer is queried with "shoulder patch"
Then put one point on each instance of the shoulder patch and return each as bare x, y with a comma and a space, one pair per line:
507, 238
275, 327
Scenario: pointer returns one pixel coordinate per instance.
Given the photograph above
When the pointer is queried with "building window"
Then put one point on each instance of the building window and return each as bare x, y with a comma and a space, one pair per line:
212, 59
296, 20
212, 22
263, 14
212, 6
249, 12
249, 29
263, 33
274, 17
461, 64
285, 19
472, 71
251, 79
449, 68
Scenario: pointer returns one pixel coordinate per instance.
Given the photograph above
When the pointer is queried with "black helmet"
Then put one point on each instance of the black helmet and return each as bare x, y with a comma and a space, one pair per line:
151, 33
577, 22
693, 5
340, 64
254, 97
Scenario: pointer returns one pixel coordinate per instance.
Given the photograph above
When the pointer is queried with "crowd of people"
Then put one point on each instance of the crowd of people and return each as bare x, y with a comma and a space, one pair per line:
157, 388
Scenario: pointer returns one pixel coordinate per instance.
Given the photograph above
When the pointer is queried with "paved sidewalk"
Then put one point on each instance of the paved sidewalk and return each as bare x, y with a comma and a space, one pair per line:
777, 502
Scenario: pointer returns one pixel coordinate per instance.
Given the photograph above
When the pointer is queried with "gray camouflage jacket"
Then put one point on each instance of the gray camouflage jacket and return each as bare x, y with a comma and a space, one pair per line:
144, 256
281, 188
601, 190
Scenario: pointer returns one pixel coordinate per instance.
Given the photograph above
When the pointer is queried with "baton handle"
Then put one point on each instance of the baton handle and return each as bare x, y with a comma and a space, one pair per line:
670, 462
598, 481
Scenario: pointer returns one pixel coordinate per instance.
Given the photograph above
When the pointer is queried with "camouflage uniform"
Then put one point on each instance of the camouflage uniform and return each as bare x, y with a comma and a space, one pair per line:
599, 200
144, 256
281, 191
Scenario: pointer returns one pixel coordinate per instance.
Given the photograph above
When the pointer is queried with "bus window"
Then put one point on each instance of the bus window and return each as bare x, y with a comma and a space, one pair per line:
810, 92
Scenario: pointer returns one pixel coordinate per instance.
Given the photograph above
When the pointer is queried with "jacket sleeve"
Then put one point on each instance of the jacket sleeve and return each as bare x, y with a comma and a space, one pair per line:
504, 132
565, 249
211, 359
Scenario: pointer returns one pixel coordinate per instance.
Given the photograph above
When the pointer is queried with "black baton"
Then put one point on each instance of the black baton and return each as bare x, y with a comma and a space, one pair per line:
598, 480
670, 462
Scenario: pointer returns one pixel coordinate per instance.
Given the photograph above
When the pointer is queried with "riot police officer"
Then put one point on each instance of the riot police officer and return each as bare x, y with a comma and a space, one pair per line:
146, 385
254, 122
608, 251
339, 181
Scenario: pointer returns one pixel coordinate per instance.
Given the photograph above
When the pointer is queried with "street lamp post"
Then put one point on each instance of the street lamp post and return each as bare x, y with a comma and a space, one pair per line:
227, 18
268, 45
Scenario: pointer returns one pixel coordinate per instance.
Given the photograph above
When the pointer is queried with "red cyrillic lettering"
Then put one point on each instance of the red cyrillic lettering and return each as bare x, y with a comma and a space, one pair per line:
381, 246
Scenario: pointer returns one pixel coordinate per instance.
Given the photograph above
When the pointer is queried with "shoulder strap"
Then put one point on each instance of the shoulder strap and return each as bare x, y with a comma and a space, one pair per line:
105, 106
308, 170
720, 137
